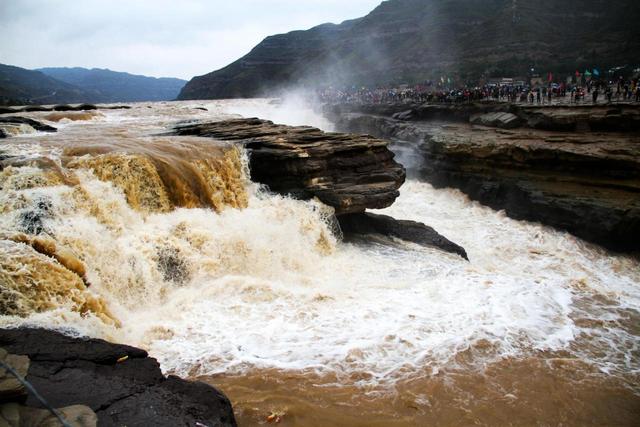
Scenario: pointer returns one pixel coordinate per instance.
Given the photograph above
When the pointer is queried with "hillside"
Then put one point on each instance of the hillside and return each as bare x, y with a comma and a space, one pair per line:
408, 41
22, 86
113, 86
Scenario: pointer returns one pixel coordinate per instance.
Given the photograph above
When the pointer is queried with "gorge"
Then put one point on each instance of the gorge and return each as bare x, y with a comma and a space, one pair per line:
255, 293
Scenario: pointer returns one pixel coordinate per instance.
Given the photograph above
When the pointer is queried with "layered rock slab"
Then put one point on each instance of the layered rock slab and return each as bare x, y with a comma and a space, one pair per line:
349, 172
587, 183
121, 384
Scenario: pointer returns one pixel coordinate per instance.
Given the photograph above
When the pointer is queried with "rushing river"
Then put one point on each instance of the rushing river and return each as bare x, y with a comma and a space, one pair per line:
256, 294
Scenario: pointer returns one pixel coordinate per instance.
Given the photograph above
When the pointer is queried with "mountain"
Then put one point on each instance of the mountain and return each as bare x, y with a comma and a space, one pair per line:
22, 86
76, 85
113, 86
409, 41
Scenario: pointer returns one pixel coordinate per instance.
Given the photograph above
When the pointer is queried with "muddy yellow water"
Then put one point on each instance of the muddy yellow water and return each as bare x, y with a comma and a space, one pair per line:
549, 390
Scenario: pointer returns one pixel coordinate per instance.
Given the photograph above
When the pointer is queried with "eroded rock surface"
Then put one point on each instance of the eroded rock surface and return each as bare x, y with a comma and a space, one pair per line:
565, 118
349, 172
121, 384
585, 182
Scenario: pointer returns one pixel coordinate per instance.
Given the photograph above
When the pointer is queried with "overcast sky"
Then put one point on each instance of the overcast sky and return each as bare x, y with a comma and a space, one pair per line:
162, 38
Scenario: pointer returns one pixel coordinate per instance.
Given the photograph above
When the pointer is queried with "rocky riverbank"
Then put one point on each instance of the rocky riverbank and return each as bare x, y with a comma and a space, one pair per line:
574, 168
99, 383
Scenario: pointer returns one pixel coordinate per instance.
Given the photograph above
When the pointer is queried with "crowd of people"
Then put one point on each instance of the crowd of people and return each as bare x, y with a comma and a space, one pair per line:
618, 90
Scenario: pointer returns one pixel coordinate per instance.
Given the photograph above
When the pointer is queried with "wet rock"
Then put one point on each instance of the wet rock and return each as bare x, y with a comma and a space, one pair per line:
410, 231
614, 118
85, 107
117, 107
587, 183
32, 221
349, 172
404, 115
601, 118
173, 267
62, 108
34, 108
499, 120
121, 384
16, 120
14, 414
10, 388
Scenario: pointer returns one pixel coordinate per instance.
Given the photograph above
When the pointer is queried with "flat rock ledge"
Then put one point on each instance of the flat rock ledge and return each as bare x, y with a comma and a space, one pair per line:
349, 172
121, 385
61, 107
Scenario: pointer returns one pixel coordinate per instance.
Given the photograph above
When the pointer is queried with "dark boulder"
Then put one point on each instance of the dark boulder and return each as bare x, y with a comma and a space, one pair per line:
7, 110
63, 108
23, 120
410, 231
34, 108
120, 383
85, 107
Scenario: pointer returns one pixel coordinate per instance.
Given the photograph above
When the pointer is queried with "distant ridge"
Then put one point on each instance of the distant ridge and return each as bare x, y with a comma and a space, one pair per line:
113, 86
21, 86
410, 41
77, 85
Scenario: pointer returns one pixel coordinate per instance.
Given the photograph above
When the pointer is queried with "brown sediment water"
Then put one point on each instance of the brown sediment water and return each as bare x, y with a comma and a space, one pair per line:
254, 293
33, 282
546, 390
157, 174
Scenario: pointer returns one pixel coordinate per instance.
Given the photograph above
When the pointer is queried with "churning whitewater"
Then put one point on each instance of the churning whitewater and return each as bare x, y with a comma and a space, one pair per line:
247, 280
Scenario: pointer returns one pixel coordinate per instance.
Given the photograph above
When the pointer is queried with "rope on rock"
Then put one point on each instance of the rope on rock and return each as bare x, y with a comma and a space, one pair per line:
35, 393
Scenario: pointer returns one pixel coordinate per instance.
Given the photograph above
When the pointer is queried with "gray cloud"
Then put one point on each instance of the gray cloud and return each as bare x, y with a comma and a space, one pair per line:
154, 37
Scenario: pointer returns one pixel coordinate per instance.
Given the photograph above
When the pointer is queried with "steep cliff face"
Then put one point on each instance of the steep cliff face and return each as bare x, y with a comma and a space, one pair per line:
413, 40
586, 182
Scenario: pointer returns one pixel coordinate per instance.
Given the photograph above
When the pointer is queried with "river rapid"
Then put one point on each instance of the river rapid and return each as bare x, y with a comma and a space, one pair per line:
256, 293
